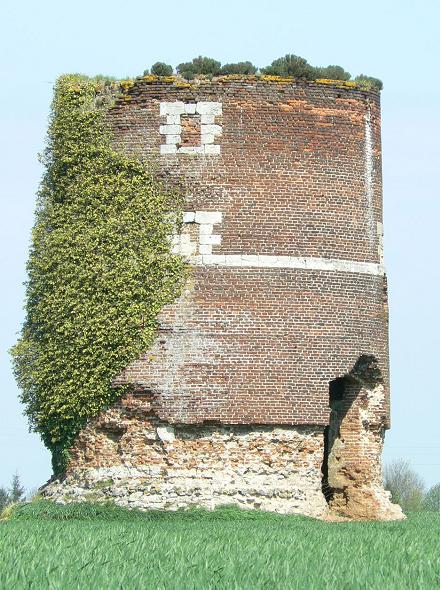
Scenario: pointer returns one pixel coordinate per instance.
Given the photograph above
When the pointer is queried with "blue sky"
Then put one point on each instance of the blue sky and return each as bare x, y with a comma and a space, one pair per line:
396, 41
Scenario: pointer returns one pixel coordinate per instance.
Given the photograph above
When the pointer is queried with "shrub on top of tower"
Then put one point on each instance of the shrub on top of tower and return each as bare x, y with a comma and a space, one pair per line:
161, 69
291, 65
199, 65
298, 67
288, 66
242, 67
332, 73
368, 82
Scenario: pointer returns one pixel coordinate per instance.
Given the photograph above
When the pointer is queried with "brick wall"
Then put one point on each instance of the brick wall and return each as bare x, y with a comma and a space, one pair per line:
283, 227
287, 293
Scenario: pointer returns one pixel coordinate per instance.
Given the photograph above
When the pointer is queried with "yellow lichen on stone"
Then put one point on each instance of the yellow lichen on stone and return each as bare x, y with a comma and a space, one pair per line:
329, 82
237, 77
280, 79
150, 78
126, 84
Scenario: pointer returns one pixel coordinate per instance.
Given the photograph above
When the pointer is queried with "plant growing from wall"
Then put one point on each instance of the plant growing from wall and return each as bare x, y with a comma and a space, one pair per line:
369, 82
99, 271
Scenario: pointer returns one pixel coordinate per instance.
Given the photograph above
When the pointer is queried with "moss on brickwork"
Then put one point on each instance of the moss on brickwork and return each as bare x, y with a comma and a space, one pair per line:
100, 267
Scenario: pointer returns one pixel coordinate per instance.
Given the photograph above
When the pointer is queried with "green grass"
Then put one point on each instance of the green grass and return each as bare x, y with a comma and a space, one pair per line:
104, 547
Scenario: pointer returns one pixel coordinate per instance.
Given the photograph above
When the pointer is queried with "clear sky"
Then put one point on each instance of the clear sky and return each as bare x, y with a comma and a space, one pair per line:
395, 40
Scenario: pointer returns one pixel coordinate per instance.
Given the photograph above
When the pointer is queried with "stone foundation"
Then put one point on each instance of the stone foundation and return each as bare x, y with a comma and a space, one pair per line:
129, 456
136, 460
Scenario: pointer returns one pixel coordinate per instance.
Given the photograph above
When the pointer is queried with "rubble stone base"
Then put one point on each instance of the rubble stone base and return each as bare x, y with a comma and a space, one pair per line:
130, 456
271, 468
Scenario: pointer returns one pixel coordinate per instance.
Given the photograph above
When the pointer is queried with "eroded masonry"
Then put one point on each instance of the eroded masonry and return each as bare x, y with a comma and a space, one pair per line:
267, 385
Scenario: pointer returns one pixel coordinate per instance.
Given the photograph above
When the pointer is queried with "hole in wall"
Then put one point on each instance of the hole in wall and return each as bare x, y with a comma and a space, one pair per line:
348, 461
338, 409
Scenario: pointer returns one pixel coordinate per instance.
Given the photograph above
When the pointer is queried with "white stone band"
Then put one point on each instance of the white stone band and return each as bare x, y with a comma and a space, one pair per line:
197, 239
263, 261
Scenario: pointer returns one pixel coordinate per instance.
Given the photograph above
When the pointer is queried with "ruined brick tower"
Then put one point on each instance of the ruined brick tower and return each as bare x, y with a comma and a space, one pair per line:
267, 385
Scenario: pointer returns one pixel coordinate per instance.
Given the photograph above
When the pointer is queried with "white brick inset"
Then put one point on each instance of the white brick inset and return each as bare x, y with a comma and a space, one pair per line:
173, 119
172, 129
172, 139
207, 138
172, 108
197, 239
209, 217
214, 129
207, 119
209, 108
189, 217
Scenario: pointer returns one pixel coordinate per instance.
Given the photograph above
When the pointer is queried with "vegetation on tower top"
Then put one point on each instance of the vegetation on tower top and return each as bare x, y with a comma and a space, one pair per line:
288, 66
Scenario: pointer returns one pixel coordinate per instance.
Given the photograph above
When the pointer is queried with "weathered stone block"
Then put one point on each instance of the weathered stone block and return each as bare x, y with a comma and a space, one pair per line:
170, 139
190, 150
172, 108
207, 138
209, 108
189, 217
211, 217
214, 129
170, 129
173, 119
207, 119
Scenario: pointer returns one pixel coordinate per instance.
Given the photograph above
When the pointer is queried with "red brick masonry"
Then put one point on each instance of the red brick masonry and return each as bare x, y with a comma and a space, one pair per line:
299, 175
283, 228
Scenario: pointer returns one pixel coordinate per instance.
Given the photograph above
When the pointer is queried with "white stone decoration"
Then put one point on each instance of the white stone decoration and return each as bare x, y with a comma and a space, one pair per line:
303, 263
197, 237
172, 128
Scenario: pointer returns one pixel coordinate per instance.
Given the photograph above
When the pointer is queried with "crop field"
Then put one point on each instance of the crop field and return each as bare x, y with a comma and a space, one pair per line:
103, 547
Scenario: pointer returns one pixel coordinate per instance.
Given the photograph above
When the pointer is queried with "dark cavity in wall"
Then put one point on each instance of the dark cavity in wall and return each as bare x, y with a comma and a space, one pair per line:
338, 410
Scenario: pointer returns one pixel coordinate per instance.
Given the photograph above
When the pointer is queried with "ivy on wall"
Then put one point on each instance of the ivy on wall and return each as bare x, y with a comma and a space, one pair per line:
99, 270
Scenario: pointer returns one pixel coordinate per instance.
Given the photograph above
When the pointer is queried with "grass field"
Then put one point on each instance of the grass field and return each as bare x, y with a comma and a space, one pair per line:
85, 546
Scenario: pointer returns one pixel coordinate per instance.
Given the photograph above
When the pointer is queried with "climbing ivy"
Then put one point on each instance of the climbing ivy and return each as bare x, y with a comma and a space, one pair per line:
99, 270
